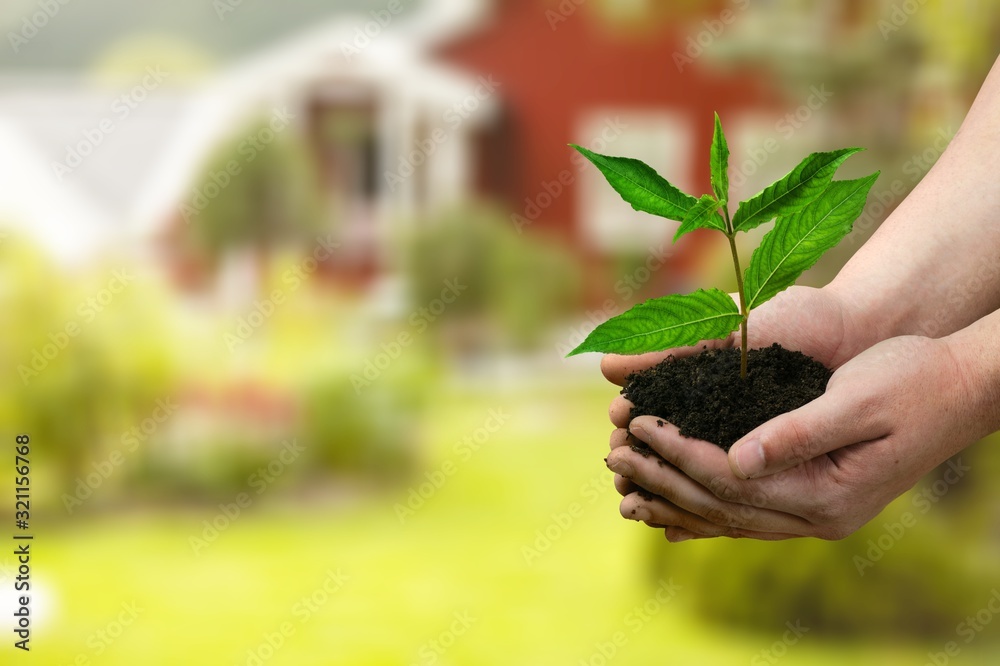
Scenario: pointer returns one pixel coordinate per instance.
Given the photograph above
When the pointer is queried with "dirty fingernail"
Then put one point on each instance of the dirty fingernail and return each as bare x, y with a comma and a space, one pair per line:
622, 467
749, 458
638, 431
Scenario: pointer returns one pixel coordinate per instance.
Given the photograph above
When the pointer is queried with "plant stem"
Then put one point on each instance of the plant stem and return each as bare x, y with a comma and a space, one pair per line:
731, 235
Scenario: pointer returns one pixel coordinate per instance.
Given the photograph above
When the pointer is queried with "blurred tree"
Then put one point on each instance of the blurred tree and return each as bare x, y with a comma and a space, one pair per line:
516, 286
257, 192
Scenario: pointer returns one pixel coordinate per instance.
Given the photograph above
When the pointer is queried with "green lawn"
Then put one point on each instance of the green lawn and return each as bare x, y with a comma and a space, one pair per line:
453, 574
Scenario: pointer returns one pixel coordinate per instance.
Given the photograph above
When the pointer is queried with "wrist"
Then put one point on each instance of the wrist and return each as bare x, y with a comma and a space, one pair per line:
865, 323
975, 352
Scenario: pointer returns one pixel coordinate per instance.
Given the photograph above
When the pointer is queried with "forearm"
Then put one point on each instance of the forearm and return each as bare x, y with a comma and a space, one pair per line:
933, 267
976, 351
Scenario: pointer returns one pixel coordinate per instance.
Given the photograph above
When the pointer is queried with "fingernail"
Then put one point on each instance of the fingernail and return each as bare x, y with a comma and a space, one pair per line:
680, 537
638, 431
622, 467
749, 458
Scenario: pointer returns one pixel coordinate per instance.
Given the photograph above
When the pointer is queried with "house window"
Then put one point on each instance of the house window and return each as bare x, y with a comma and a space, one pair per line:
765, 147
345, 142
662, 140
348, 150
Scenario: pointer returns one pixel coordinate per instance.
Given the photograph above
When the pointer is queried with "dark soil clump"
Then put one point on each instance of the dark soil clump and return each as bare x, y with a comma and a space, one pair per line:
704, 396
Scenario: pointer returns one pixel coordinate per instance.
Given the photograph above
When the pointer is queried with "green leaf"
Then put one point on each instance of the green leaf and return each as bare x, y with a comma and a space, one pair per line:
641, 186
802, 185
720, 164
703, 215
664, 323
798, 241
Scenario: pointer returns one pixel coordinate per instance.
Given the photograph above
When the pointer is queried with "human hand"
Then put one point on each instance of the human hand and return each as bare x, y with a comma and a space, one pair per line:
813, 321
888, 417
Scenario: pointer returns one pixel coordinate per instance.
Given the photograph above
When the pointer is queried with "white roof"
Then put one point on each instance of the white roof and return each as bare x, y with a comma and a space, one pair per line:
143, 168
58, 216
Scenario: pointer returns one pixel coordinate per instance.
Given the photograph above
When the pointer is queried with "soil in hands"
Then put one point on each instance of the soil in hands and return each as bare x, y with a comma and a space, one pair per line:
704, 396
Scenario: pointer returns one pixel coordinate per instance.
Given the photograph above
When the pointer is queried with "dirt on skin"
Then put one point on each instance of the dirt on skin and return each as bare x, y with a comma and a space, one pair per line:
704, 396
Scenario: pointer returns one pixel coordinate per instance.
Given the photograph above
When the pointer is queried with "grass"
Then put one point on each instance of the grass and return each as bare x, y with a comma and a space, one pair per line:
586, 598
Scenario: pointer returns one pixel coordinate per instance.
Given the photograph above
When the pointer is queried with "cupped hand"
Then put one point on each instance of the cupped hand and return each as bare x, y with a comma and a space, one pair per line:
813, 321
888, 417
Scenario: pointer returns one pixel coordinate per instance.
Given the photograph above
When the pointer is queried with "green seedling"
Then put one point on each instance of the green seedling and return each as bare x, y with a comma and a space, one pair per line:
812, 213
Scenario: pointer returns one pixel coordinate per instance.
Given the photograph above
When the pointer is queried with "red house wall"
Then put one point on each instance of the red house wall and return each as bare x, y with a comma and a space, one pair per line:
548, 76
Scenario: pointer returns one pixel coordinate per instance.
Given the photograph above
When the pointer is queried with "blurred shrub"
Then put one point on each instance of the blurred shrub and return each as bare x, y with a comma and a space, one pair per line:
370, 430
215, 471
89, 357
518, 286
886, 580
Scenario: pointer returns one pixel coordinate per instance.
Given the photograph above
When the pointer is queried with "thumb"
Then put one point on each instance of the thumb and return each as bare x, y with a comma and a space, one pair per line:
832, 421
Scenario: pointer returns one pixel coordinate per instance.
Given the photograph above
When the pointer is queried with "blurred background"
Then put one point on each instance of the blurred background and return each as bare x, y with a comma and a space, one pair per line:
287, 290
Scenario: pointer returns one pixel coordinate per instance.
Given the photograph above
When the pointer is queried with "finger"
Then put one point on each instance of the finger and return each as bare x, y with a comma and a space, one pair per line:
680, 525
657, 510
663, 479
622, 437
620, 412
616, 367
707, 465
842, 416
624, 486
763, 536
679, 534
